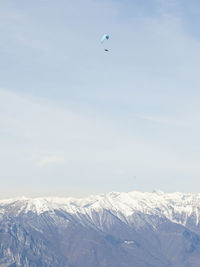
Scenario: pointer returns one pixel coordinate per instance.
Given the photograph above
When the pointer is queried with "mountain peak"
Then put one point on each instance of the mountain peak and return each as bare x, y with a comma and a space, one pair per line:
177, 207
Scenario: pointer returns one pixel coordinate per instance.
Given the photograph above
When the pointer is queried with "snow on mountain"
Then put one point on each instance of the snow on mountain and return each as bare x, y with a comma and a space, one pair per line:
177, 207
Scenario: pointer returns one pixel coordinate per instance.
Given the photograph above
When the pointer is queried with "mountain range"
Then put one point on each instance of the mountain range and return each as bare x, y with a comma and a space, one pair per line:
134, 229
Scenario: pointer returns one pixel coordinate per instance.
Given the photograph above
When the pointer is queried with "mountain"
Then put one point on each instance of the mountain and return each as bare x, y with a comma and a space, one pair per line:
132, 229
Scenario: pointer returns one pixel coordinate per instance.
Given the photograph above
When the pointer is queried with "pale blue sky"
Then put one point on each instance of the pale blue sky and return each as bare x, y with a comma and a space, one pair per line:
75, 120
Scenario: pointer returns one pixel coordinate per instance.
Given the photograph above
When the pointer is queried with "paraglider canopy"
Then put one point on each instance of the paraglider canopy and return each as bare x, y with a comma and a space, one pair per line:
104, 37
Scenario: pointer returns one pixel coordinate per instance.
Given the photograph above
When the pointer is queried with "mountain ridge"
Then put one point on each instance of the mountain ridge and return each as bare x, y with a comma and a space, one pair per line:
126, 203
109, 230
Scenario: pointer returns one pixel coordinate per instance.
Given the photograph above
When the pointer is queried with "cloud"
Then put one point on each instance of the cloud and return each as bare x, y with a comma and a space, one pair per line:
105, 152
51, 160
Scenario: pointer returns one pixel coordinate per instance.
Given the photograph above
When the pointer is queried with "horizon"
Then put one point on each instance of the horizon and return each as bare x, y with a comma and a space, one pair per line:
86, 196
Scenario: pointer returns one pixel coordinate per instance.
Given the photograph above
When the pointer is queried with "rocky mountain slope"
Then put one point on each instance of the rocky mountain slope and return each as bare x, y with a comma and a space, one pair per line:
112, 230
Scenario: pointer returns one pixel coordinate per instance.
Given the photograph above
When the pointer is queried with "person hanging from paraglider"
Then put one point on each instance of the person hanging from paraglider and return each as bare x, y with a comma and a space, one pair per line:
103, 38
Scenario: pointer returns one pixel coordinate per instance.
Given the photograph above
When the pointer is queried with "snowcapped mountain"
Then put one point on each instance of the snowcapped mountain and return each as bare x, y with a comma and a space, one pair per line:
176, 207
115, 229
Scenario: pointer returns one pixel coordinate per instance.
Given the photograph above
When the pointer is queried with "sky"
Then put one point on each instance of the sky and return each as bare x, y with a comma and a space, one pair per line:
76, 120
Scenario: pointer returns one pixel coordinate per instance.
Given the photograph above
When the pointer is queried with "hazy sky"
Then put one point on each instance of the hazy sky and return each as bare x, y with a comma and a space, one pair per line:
75, 120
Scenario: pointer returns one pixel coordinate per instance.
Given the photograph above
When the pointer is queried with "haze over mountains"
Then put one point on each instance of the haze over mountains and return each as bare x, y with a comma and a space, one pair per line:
111, 230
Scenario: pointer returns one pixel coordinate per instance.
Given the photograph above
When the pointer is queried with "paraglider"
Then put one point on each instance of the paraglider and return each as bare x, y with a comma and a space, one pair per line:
103, 38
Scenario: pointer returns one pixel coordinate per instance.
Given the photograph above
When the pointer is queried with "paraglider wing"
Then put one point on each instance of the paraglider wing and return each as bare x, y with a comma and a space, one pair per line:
105, 36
